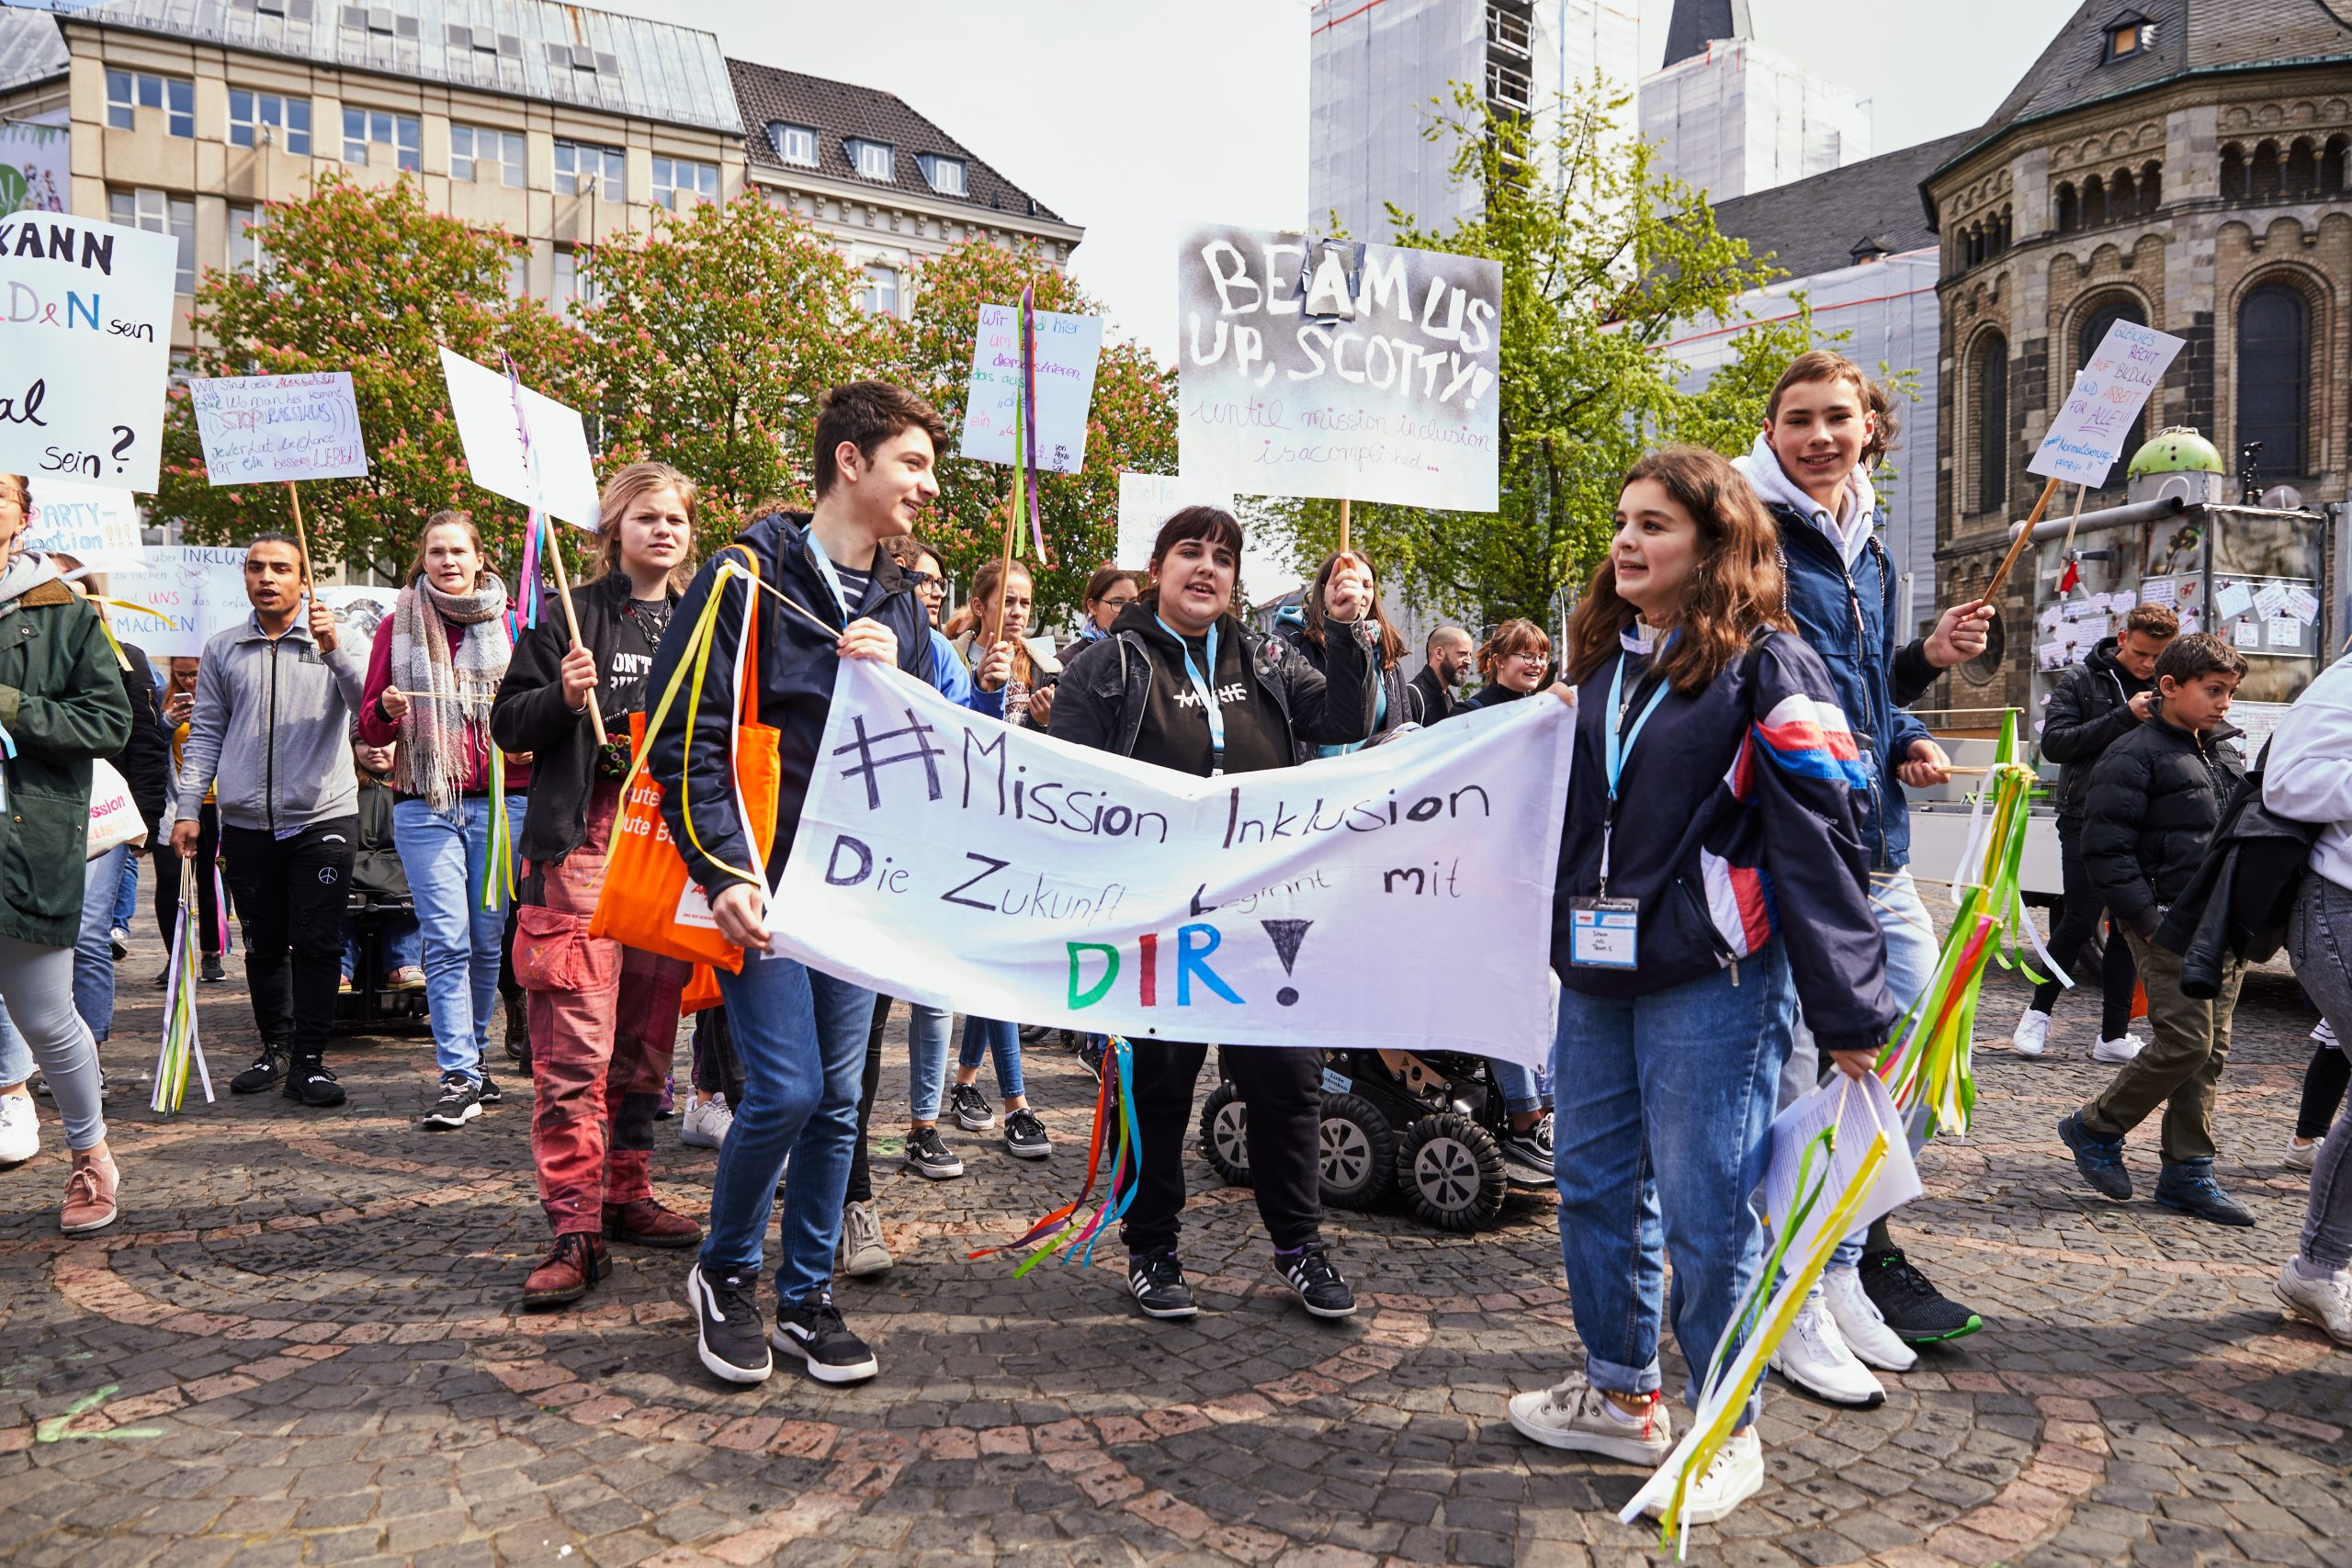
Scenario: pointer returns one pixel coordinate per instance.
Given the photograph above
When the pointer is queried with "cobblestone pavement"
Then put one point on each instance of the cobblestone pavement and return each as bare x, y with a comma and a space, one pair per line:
303, 1344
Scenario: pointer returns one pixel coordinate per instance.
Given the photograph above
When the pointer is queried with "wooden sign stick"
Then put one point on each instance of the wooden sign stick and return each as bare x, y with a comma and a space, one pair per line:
554, 552
300, 537
1004, 569
1344, 526
2017, 547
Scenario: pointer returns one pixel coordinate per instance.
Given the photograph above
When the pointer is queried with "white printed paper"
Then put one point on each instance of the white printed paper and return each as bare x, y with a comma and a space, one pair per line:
2107, 394
952, 859
2270, 600
555, 475
1300, 378
2159, 591
2232, 600
1068, 348
1860, 1107
2245, 635
2283, 631
2302, 605
100, 527
88, 310
263, 429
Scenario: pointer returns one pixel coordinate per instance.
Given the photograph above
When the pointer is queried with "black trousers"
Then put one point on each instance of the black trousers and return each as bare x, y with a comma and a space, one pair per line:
167, 883
1281, 1089
291, 893
861, 1172
2324, 1085
2078, 916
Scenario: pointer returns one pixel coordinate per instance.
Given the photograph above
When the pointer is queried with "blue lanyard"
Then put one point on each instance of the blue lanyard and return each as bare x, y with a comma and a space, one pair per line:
1617, 745
833, 579
1209, 708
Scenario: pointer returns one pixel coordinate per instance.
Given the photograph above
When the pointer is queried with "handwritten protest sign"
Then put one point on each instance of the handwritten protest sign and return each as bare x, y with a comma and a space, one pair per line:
1309, 372
2109, 393
952, 859
97, 527
1148, 501
1066, 350
198, 590
263, 429
88, 308
555, 476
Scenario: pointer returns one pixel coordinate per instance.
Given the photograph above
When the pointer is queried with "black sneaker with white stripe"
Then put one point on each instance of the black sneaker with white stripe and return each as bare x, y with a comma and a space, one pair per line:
727, 1325
926, 1156
1158, 1281
815, 1332
1310, 1275
971, 1108
459, 1103
1024, 1135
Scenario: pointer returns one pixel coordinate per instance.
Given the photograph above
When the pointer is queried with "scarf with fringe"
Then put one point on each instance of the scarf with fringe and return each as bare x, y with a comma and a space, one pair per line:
444, 737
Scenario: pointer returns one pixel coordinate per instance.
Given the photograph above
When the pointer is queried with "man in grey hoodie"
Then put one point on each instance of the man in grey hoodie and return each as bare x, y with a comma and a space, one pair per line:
274, 704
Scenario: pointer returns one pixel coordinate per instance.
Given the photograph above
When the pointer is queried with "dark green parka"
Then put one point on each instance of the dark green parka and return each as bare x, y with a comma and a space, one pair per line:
62, 703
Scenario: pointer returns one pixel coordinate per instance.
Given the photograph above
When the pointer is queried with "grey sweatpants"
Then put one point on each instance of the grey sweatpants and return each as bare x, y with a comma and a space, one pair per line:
2319, 943
38, 985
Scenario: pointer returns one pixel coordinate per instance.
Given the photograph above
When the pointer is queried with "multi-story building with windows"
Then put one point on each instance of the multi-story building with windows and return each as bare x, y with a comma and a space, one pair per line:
559, 126
1734, 117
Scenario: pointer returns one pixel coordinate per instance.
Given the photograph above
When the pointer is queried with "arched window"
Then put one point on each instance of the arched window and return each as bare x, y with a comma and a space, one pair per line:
2303, 169
2265, 185
2331, 167
2151, 189
2274, 372
2070, 215
2093, 203
2234, 182
1990, 375
2122, 200
2087, 343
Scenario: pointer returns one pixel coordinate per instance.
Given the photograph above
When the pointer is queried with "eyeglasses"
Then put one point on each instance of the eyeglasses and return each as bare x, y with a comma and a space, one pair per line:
921, 578
1534, 656
1110, 602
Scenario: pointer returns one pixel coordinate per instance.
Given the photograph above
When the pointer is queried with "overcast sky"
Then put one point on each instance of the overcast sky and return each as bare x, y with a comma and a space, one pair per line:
1135, 118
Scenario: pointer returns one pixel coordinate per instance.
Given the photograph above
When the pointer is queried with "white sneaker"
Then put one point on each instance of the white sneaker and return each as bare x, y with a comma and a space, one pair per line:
2302, 1156
1575, 1414
19, 1129
1862, 1326
1813, 1355
1736, 1474
2116, 1051
705, 1125
2325, 1300
861, 1252
2031, 1033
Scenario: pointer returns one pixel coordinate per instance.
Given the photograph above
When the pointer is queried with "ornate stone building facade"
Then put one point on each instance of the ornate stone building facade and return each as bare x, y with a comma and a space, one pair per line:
2184, 163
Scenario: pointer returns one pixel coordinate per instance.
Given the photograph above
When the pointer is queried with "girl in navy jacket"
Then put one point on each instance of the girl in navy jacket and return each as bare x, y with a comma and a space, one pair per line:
1710, 792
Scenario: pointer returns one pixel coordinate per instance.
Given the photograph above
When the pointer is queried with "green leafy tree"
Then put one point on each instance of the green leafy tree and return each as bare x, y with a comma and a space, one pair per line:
1602, 257
711, 338
371, 282
1131, 422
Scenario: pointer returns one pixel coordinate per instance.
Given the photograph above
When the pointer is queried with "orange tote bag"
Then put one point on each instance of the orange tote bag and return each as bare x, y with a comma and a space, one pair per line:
648, 902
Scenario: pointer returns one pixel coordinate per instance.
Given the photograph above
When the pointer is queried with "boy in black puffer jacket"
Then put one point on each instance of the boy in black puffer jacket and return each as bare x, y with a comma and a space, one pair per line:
2154, 798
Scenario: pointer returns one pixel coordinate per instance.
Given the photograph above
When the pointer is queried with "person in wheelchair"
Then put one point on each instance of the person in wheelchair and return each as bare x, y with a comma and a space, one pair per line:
377, 883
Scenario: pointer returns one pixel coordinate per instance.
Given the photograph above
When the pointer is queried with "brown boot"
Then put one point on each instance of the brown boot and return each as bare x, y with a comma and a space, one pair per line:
642, 1221
574, 1265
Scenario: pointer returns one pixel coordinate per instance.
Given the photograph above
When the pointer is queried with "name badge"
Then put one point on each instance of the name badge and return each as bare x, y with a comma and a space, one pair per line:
1604, 933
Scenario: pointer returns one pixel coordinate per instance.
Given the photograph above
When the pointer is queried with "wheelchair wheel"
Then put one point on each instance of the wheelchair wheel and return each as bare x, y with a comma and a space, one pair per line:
1452, 1172
1359, 1153
1224, 1134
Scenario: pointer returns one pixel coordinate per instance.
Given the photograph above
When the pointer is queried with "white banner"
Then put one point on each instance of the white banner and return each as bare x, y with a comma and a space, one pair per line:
1066, 350
99, 526
555, 476
1351, 372
262, 429
1400, 898
36, 166
195, 591
85, 311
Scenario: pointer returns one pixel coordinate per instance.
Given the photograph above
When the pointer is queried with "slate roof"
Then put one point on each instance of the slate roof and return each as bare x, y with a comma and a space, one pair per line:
838, 110
31, 48
1697, 22
2191, 36
1811, 225
532, 49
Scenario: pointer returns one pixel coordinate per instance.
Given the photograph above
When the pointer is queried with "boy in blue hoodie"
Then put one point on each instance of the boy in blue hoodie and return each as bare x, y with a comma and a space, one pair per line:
1825, 426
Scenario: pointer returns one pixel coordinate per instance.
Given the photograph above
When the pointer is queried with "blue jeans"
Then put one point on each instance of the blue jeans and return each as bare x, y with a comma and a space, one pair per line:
93, 945
927, 1031
993, 1037
801, 1036
399, 934
443, 855
16, 1057
126, 897
1521, 1085
1664, 1108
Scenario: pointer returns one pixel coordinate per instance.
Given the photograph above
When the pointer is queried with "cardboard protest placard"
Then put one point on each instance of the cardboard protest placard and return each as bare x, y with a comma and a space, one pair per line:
2109, 393
1359, 373
36, 173
88, 310
196, 590
263, 429
1066, 350
555, 476
1148, 501
97, 527
965, 863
